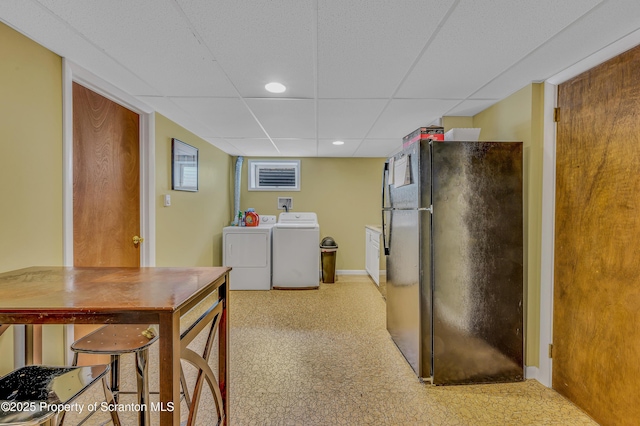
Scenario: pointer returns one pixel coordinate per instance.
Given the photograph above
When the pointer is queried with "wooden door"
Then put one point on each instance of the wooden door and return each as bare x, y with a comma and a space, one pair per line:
596, 317
106, 187
106, 181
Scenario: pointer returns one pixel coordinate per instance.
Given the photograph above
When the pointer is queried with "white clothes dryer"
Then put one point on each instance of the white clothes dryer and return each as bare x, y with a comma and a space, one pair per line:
296, 251
247, 250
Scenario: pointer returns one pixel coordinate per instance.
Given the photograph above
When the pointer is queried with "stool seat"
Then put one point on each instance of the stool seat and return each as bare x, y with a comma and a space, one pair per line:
44, 384
114, 339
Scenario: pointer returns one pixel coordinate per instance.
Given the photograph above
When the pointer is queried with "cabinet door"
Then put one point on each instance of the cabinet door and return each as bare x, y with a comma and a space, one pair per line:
375, 258
367, 251
372, 255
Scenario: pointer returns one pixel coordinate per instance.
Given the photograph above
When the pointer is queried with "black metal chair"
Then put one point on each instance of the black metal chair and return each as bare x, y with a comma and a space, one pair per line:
33, 395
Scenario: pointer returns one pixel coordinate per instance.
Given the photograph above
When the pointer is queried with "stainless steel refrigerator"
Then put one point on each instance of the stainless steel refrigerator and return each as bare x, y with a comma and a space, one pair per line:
453, 236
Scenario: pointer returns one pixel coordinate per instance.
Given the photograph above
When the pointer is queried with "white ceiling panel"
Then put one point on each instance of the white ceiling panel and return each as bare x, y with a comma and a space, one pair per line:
166, 51
226, 117
613, 22
364, 72
35, 21
257, 42
403, 116
471, 107
326, 148
169, 109
224, 145
297, 147
286, 118
482, 39
365, 48
347, 118
254, 147
378, 147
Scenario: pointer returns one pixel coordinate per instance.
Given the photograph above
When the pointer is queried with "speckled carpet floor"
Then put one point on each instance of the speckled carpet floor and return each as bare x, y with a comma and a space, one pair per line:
324, 357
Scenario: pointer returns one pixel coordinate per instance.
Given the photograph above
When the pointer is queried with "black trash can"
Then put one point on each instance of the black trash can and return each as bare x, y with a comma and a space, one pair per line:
328, 253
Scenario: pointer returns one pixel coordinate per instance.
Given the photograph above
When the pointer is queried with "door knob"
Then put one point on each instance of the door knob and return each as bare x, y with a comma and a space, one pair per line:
137, 240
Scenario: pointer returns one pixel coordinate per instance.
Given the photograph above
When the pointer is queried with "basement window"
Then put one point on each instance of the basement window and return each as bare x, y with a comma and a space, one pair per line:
274, 175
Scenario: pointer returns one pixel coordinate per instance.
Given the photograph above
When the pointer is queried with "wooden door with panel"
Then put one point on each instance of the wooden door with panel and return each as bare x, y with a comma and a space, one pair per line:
106, 185
596, 308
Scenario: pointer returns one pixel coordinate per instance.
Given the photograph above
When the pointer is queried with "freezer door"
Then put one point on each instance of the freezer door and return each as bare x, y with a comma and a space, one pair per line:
478, 262
407, 321
404, 192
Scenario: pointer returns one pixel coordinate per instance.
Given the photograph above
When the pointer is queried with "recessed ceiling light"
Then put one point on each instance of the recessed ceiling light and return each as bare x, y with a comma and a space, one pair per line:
338, 142
275, 87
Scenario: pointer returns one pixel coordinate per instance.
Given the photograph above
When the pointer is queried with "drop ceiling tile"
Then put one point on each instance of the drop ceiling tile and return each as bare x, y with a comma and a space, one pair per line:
226, 117
257, 147
613, 22
403, 116
37, 23
170, 110
224, 145
297, 147
175, 113
151, 39
483, 39
286, 118
481, 52
258, 42
347, 118
470, 108
365, 48
326, 148
383, 148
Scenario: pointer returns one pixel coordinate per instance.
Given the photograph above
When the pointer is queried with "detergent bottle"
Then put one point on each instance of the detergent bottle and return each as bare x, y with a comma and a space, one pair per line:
251, 218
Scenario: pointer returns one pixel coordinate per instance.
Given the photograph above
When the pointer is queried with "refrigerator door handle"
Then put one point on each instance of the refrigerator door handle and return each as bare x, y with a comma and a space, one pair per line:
385, 174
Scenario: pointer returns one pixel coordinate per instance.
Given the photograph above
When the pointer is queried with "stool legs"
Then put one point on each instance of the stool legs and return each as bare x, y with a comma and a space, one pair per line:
110, 400
110, 392
115, 376
142, 373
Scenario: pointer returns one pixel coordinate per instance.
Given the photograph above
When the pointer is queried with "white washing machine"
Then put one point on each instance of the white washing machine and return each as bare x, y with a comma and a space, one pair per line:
296, 251
247, 250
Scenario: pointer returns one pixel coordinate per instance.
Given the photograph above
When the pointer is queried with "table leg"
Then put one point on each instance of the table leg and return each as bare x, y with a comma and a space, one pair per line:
28, 344
169, 355
223, 349
33, 344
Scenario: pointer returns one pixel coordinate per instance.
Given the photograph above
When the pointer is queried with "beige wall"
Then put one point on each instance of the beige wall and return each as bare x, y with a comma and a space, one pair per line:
189, 232
344, 192
519, 117
31, 161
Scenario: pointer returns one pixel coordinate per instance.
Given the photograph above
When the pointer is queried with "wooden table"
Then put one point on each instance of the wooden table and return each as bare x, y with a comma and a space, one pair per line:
59, 295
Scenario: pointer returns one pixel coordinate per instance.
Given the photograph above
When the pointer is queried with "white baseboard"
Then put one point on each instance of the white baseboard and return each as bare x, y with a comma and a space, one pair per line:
531, 372
351, 272
356, 272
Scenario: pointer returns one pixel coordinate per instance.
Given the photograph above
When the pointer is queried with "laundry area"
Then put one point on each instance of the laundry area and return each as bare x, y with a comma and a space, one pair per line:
400, 208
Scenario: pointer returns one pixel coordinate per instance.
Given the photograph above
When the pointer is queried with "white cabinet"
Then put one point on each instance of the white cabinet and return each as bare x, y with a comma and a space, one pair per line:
372, 252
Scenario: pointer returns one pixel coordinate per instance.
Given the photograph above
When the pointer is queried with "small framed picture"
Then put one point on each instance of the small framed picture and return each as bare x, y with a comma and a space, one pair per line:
184, 166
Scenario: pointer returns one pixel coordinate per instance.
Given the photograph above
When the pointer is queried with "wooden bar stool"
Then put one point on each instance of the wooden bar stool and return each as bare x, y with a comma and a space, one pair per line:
115, 340
41, 388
